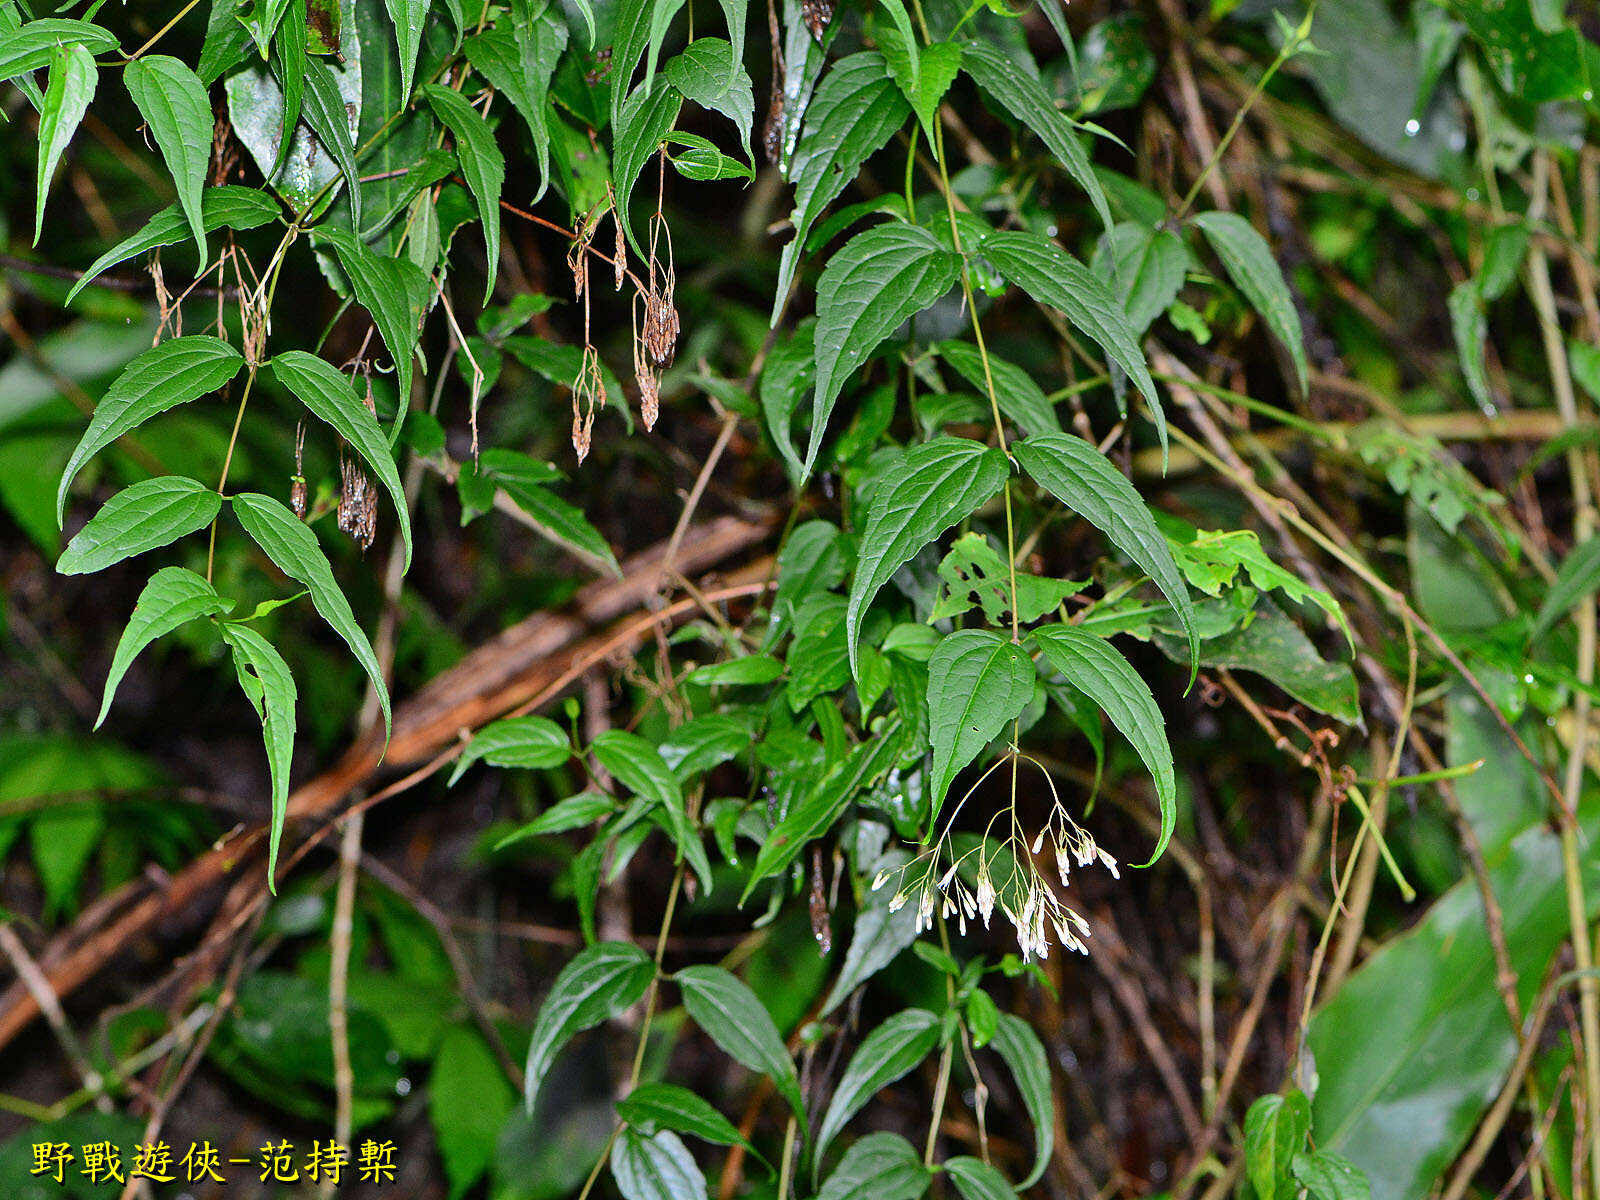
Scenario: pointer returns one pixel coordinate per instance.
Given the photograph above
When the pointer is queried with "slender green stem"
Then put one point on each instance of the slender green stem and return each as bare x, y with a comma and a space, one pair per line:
939, 1093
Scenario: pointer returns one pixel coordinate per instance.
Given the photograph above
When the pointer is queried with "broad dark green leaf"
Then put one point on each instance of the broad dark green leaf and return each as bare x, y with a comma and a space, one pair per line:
227, 41
788, 374
1004, 78
72, 82
655, 1106
750, 669
229, 206
701, 74
1275, 1130
395, 292
1019, 397
1575, 582
646, 118
977, 682
856, 110
880, 1166
468, 1103
173, 597
1016, 1042
294, 549
641, 27
657, 1167
1093, 666
31, 47
639, 767
977, 1180
175, 372
324, 109
1248, 260
704, 742
327, 392
519, 58
1052, 276
151, 513
173, 103
266, 680
1328, 1176
481, 162
594, 987
408, 18
1145, 266
731, 1016
868, 289
890, 1051
531, 743
1083, 479
289, 67
934, 486
572, 813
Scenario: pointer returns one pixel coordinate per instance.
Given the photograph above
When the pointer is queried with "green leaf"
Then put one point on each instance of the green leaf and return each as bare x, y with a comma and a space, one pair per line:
701, 160
289, 66
1329, 1176
468, 1102
655, 1106
595, 986
889, 1052
788, 374
699, 75
983, 1017
72, 82
974, 573
1275, 1130
325, 111
294, 549
559, 521
922, 74
977, 682
262, 21
878, 935
752, 669
518, 57
733, 12
173, 597
639, 767
867, 290
934, 486
1052, 276
1248, 260
1019, 397
527, 743
1146, 267
173, 103
267, 683
1003, 77
704, 742
1093, 666
977, 1180
818, 661
572, 813
230, 206
408, 18
396, 293
658, 1167
856, 110
149, 514
1576, 580
175, 372
326, 391
481, 162
880, 1166
1016, 1042
641, 27
646, 119
32, 46
731, 1016
1083, 479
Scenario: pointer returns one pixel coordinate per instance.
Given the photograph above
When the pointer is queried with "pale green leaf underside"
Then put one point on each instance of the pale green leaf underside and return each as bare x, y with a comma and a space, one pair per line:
266, 680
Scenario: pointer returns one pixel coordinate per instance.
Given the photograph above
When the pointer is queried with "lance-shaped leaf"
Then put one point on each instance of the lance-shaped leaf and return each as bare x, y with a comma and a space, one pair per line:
481, 162
934, 486
1017, 1043
655, 1167
289, 65
977, 1180
31, 47
646, 118
520, 61
923, 74
1577, 579
868, 289
1084, 480
594, 987
72, 83
977, 681
266, 680
701, 74
229, 206
1145, 266
653, 1106
326, 391
641, 27
1018, 396
731, 1015
175, 372
1093, 666
559, 521
1004, 78
294, 549
856, 110
1249, 263
325, 111
881, 1166
173, 102
262, 20
151, 513
173, 597
526, 742
395, 292
1052, 276
890, 1051
408, 18
639, 767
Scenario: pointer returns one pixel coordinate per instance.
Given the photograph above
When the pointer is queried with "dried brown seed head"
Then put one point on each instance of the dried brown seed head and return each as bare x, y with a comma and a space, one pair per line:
816, 14
358, 505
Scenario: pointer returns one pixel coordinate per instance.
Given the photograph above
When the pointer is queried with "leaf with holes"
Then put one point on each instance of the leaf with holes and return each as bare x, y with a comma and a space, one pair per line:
150, 514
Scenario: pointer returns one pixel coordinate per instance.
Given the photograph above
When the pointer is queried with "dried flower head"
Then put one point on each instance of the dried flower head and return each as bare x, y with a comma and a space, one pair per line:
588, 394
358, 504
816, 14
772, 132
619, 251
297, 483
